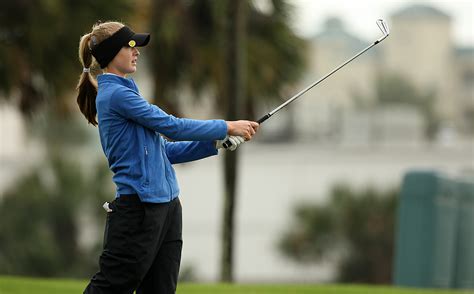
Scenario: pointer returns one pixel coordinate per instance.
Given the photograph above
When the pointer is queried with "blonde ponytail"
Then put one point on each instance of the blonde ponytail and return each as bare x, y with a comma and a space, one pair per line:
87, 85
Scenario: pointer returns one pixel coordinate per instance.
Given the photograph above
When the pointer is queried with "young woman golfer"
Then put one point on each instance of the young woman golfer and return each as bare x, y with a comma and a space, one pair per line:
142, 240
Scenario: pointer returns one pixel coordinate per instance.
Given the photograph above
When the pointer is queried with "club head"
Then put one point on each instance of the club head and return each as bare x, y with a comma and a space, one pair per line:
383, 27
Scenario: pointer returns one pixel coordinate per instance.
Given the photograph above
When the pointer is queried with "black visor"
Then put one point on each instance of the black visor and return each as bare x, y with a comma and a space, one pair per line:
106, 50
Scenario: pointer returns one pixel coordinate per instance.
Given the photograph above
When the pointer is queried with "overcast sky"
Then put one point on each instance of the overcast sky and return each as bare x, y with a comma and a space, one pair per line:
360, 16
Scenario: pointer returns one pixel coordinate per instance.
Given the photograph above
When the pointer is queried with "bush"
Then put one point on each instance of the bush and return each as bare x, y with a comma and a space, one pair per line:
355, 229
39, 221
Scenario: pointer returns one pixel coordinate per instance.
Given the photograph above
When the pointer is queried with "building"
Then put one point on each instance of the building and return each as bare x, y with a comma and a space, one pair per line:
420, 49
321, 113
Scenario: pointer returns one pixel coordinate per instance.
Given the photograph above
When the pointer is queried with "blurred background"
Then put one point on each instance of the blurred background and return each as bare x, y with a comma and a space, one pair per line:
318, 195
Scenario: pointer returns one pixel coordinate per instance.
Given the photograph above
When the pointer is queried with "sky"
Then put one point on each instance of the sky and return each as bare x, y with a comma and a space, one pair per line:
360, 16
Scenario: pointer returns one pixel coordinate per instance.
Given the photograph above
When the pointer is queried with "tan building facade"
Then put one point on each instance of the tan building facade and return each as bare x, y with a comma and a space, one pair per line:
420, 49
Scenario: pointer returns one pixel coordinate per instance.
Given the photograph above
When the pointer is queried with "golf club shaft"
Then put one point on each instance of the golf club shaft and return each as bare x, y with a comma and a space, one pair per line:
297, 95
383, 27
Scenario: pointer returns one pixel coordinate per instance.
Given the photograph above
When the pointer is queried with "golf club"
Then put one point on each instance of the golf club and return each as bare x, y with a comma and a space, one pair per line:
385, 31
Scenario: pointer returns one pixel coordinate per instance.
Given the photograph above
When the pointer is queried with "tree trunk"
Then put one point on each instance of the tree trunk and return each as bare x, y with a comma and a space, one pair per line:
234, 63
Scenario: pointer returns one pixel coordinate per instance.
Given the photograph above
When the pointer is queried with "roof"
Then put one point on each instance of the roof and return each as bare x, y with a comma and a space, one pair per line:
420, 10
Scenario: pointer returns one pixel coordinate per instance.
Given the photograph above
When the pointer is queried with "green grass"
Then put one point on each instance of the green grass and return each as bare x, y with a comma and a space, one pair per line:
20, 285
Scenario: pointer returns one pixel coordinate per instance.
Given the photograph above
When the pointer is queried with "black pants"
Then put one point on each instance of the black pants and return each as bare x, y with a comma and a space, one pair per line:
142, 248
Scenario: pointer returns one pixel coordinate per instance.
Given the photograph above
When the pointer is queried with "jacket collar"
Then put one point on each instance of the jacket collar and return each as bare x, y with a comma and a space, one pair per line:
111, 78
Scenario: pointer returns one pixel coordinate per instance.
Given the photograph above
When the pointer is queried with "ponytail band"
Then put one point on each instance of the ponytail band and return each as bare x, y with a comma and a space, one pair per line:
86, 69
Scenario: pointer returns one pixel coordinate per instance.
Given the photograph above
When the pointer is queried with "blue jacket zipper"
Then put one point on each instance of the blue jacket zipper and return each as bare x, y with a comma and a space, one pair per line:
146, 167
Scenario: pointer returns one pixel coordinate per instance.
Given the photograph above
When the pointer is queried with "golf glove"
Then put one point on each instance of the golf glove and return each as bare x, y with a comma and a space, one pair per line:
235, 140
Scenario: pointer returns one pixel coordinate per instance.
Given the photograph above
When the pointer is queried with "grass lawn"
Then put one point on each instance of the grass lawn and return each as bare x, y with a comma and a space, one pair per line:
19, 285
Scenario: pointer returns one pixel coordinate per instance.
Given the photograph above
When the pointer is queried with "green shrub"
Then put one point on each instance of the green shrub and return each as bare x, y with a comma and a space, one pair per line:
354, 229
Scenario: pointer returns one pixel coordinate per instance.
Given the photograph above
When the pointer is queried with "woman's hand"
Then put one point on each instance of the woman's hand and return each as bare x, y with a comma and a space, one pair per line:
243, 128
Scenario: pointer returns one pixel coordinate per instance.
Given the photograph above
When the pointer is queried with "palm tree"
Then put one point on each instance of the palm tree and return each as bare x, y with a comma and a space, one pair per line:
188, 45
236, 91
38, 48
38, 71
241, 53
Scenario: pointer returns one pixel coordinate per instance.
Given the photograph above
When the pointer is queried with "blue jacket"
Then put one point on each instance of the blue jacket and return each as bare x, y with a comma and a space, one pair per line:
139, 157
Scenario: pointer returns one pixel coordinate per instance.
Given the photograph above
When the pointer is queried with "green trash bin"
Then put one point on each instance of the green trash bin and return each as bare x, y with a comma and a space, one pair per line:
464, 269
426, 233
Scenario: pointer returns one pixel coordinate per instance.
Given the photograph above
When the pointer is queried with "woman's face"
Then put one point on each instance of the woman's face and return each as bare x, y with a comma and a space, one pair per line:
125, 62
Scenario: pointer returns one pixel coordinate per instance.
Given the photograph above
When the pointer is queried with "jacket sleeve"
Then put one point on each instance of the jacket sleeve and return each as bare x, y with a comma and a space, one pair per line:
131, 105
180, 152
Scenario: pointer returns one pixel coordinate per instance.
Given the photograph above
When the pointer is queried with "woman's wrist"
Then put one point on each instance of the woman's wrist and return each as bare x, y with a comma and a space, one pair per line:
229, 127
